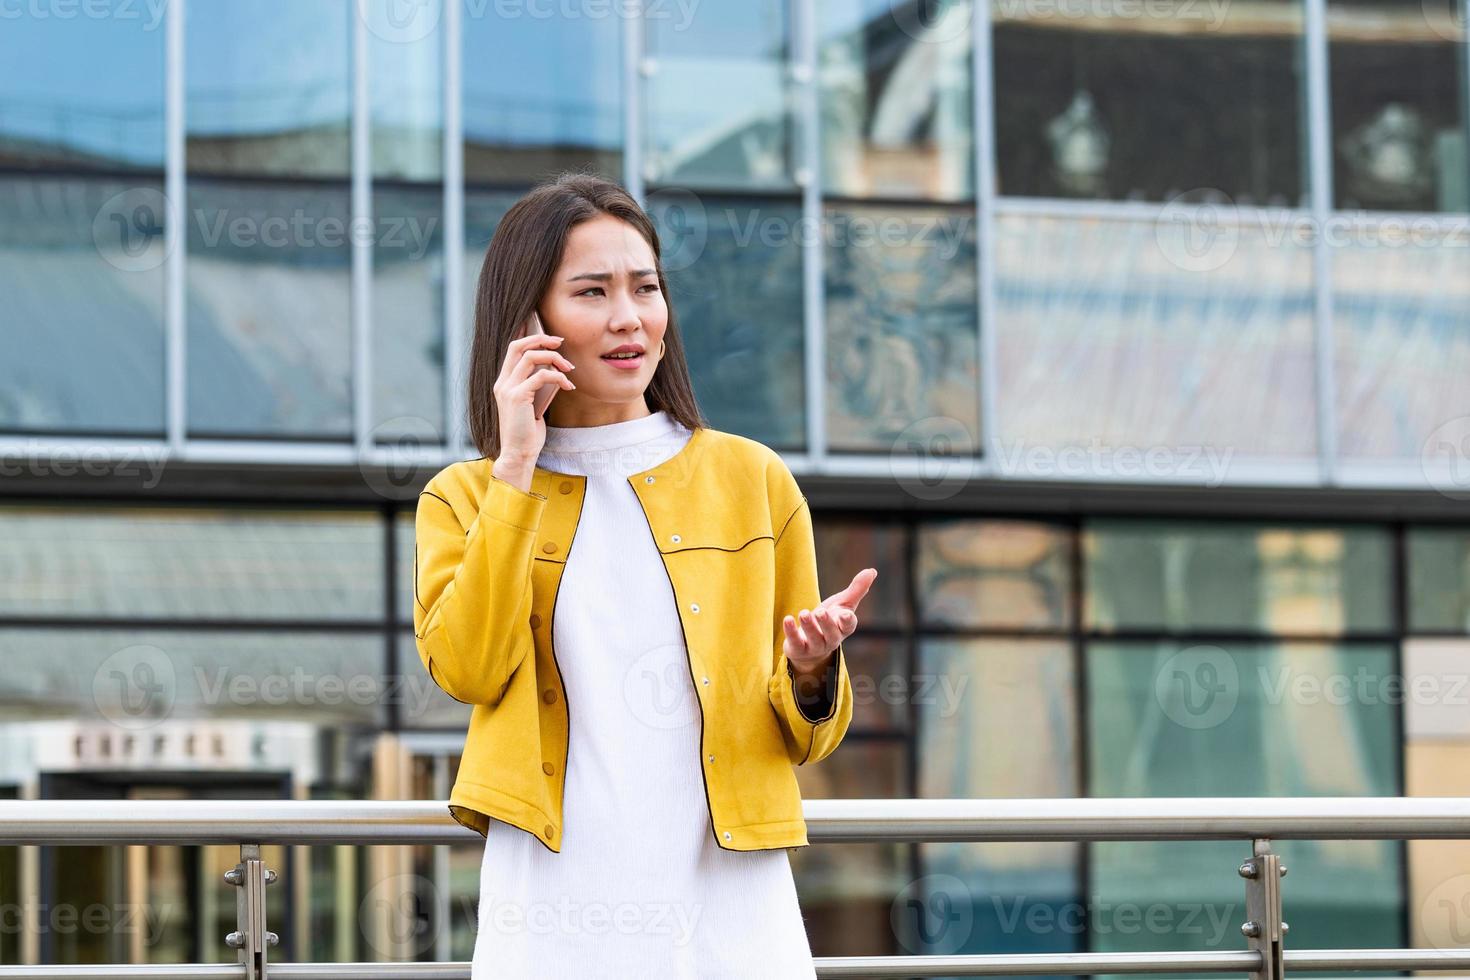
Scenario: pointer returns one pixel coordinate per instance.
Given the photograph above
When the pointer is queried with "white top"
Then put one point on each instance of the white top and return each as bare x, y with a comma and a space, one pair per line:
640, 888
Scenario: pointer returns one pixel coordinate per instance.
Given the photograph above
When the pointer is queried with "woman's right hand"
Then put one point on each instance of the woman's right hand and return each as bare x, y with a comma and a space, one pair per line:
530, 362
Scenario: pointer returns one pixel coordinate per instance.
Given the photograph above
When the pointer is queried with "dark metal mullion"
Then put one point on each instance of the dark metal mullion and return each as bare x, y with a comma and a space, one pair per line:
391, 666
1080, 634
911, 651
1399, 584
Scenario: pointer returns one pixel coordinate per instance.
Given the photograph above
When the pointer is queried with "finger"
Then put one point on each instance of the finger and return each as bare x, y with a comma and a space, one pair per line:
795, 637
856, 589
519, 347
825, 625
529, 387
534, 360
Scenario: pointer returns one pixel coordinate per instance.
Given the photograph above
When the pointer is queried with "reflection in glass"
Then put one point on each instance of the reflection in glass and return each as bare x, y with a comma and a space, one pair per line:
1143, 353
81, 273
1401, 319
1221, 85
190, 563
269, 346
408, 320
406, 91
734, 272
1001, 723
403, 531
1270, 720
1398, 105
1236, 576
846, 546
993, 574
81, 92
269, 87
897, 103
542, 90
482, 213
137, 678
719, 109
902, 334
1438, 569
847, 890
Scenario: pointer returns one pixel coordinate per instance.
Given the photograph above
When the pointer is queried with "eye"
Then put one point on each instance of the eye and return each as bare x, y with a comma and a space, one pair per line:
589, 289
651, 285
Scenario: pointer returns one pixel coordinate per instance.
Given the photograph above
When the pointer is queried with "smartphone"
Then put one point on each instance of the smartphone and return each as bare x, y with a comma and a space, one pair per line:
545, 393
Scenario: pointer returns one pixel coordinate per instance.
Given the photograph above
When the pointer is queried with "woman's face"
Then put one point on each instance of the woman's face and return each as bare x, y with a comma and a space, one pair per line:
604, 295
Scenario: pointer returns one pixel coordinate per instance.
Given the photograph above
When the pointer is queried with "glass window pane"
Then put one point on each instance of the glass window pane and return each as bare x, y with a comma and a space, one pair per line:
408, 314
734, 272
1245, 720
542, 90
270, 339
897, 99
81, 273
844, 547
1003, 725
1144, 101
719, 106
1435, 692
140, 678
82, 92
902, 327
847, 890
403, 528
483, 210
1236, 576
994, 574
1397, 75
1130, 352
1401, 321
191, 563
1439, 578
269, 87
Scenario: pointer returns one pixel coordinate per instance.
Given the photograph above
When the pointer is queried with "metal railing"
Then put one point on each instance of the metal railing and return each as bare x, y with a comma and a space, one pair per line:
253, 824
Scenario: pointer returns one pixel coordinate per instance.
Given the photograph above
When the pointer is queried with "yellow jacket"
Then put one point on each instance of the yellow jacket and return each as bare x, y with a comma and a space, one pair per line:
735, 535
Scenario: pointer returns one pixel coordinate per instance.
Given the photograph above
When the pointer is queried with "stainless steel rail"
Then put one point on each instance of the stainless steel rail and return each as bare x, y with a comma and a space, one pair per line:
1254, 820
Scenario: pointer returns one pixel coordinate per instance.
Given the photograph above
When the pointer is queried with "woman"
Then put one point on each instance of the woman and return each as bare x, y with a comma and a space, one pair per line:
619, 563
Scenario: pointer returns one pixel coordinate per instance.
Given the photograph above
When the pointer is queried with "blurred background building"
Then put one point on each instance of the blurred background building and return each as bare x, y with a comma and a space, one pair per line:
1127, 339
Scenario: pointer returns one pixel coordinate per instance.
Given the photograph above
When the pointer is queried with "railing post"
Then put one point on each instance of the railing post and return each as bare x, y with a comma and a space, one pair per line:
250, 937
1263, 928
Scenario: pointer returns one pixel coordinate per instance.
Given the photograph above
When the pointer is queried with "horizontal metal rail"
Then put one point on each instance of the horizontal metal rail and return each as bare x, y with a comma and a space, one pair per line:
250, 824
828, 821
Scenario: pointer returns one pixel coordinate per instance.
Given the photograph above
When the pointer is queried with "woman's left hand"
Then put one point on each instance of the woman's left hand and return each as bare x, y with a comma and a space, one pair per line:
815, 634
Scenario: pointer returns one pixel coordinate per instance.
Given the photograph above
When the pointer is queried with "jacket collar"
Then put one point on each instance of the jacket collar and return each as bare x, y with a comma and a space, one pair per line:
678, 468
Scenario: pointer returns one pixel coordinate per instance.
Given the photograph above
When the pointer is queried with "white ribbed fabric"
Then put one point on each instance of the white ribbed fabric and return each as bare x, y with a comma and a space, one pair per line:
640, 888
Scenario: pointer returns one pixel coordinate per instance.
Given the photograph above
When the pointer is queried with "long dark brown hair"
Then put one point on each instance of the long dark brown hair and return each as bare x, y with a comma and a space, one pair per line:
522, 257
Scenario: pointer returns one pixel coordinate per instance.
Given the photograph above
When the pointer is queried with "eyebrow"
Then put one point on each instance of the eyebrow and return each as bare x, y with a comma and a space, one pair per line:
607, 276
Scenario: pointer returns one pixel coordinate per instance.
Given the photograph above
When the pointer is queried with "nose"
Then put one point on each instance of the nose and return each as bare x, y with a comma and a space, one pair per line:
623, 313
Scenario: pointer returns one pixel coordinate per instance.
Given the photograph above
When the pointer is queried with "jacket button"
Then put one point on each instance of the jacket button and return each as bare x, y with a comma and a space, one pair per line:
676, 539
548, 830
547, 768
727, 835
565, 487
549, 547
712, 758
648, 479
549, 696
705, 680
694, 607
535, 621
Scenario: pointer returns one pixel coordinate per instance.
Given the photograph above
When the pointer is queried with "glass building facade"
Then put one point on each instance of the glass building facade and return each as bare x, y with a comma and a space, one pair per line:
1126, 340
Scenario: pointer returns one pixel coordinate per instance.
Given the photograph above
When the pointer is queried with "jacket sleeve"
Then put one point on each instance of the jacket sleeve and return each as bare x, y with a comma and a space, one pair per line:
472, 589
810, 734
